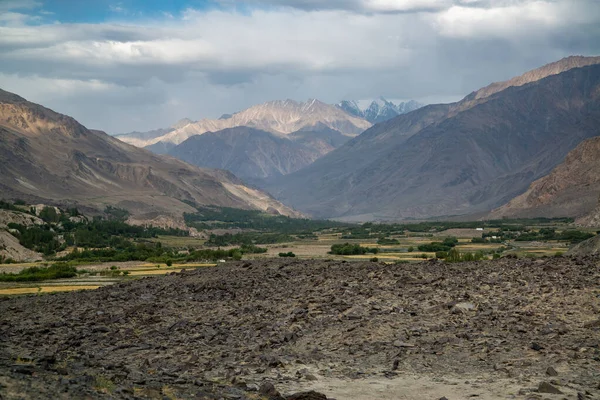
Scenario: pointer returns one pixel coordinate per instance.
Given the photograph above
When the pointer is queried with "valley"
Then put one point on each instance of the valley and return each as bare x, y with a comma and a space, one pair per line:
410, 241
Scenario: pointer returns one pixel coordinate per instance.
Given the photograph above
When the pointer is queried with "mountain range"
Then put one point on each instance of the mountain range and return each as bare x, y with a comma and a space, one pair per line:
455, 159
253, 154
378, 110
497, 149
278, 117
571, 189
47, 157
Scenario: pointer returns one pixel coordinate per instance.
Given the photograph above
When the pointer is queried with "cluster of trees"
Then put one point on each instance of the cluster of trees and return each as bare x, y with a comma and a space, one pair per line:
572, 236
247, 238
124, 251
102, 233
119, 214
5, 205
224, 217
252, 249
387, 241
212, 255
454, 255
40, 239
348, 249
435, 247
55, 271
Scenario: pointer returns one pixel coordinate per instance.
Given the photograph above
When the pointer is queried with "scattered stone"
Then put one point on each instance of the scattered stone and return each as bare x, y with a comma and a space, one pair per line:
546, 387
592, 324
312, 395
210, 332
536, 346
463, 308
399, 343
268, 389
550, 371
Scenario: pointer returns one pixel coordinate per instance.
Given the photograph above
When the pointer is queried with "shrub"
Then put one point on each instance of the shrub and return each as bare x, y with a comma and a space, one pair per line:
411, 249
374, 259
453, 255
55, 271
441, 254
434, 247
252, 249
385, 241
288, 254
169, 263
450, 241
468, 257
236, 254
348, 249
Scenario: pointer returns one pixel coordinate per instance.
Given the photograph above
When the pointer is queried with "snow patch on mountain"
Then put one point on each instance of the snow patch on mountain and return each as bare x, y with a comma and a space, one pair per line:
377, 110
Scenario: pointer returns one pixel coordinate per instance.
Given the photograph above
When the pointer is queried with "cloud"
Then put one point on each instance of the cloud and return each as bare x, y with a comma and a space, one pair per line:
11, 5
146, 74
117, 8
361, 6
515, 19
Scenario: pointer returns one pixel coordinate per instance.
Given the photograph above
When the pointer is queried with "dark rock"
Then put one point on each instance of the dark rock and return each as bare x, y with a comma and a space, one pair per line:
550, 371
536, 346
546, 387
312, 395
268, 389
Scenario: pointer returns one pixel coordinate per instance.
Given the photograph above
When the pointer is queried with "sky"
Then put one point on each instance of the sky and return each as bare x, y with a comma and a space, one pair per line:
128, 65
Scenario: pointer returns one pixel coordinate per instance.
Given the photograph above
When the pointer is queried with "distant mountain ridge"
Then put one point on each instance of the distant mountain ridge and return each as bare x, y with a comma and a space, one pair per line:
379, 110
47, 157
570, 190
459, 158
280, 117
253, 154
141, 137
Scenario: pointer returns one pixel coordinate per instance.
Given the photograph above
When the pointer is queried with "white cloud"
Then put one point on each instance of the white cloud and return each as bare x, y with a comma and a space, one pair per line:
512, 19
10, 5
149, 73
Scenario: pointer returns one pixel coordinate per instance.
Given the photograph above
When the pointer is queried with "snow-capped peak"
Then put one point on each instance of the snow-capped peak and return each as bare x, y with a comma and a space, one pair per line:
377, 110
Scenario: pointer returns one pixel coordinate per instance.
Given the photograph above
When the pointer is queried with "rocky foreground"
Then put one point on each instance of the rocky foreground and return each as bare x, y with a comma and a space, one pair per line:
510, 328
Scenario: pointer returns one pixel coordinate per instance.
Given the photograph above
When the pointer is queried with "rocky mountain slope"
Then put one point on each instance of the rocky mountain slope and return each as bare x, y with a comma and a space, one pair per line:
590, 247
254, 154
484, 330
457, 158
379, 110
10, 248
570, 190
49, 157
283, 117
592, 219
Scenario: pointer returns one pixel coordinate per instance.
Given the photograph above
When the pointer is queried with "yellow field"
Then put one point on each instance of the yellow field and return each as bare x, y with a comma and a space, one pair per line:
46, 289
